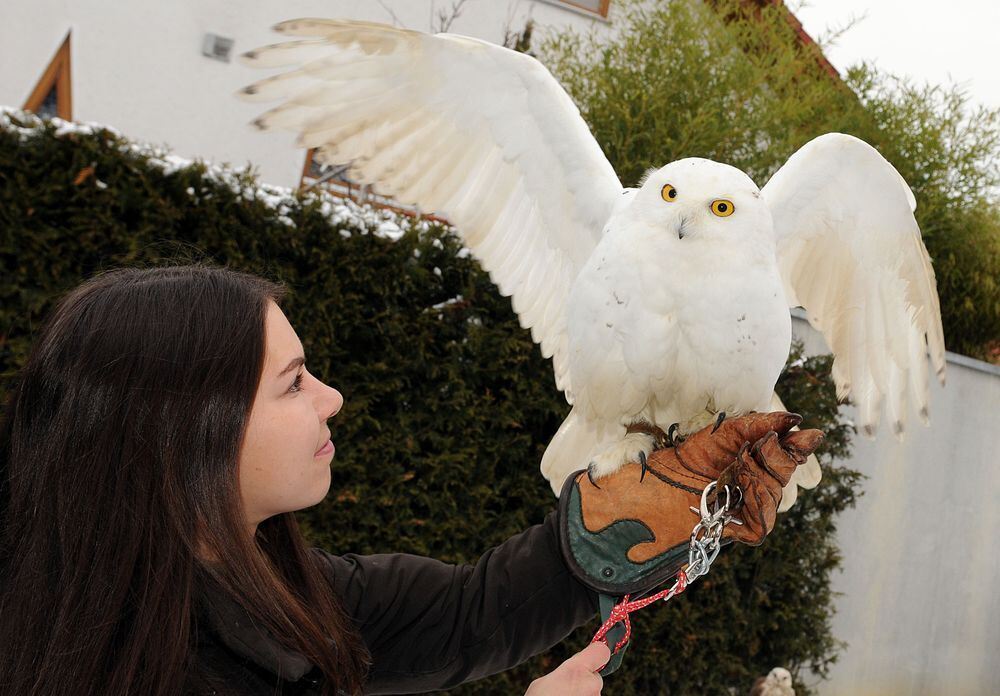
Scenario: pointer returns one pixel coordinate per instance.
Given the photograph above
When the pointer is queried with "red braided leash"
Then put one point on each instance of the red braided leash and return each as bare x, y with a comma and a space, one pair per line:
621, 610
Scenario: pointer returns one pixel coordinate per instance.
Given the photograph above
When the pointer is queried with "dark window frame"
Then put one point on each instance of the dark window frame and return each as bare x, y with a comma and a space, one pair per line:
602, 11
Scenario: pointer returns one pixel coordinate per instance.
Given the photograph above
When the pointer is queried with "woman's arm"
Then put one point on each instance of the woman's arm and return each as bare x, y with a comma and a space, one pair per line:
431, 625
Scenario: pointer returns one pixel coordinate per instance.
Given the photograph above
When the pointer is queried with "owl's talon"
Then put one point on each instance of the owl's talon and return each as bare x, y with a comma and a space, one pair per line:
655, 433
642, 461
672, 439
660, 439
590, 474
718, 421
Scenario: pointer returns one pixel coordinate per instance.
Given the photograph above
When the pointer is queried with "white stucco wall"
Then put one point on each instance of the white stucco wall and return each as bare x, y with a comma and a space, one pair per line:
920, 606
138, 65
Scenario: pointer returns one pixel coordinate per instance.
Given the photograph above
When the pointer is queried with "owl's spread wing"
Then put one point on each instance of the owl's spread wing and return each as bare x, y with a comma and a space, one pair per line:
482, 134
850, 253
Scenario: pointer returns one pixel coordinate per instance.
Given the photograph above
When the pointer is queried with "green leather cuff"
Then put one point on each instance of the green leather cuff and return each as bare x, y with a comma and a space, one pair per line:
600, 559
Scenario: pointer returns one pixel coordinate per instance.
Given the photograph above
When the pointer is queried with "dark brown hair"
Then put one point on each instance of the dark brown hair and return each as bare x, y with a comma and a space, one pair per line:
118, 464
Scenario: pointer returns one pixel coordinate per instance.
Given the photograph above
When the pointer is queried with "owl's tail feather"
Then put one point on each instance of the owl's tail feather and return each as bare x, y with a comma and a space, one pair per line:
572, 447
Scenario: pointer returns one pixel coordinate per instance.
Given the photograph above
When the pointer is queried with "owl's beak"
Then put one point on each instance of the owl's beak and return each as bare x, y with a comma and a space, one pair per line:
680, 228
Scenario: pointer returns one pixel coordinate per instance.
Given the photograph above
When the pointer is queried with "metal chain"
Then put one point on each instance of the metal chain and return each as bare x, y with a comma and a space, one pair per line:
704, 549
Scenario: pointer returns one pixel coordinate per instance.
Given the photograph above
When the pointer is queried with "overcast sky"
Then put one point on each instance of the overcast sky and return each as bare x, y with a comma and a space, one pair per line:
932, 40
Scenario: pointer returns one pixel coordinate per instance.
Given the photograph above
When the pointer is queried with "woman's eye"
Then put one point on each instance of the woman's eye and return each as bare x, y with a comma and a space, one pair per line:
297, 384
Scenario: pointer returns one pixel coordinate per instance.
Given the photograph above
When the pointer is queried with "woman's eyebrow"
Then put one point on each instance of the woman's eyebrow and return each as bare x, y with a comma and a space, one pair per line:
292, 365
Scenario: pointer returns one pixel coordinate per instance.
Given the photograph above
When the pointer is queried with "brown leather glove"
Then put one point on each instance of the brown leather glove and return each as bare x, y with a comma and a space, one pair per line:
629, 532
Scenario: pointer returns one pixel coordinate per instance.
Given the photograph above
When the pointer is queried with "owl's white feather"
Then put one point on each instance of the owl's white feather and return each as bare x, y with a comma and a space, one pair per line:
806, 475
650, 307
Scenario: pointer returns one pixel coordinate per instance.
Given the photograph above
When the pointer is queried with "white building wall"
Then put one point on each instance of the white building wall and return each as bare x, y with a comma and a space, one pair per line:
138, 66
920, 584
920, 607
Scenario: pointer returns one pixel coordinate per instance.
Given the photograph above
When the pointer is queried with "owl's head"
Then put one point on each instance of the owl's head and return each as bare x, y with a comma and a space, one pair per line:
696, 200
780, 676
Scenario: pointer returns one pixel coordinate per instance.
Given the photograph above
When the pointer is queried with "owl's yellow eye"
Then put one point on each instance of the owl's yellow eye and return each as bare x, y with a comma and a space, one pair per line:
722, 207
669, 193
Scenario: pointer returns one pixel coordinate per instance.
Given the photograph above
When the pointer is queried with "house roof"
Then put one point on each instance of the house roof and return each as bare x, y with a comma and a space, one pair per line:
808, 44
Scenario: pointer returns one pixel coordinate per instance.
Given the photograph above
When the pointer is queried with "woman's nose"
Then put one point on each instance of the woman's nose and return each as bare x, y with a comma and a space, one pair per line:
333, 403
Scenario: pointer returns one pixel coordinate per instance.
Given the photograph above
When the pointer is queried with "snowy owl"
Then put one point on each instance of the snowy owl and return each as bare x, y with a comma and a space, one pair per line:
778, 682
667, 303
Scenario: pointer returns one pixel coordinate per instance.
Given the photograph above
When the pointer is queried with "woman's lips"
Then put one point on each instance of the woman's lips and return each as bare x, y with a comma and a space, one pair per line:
326, 449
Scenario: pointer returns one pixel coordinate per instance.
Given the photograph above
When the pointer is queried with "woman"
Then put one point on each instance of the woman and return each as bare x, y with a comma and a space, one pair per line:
153, 450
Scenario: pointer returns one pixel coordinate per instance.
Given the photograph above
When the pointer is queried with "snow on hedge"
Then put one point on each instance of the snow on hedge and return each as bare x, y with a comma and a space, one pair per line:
339, 211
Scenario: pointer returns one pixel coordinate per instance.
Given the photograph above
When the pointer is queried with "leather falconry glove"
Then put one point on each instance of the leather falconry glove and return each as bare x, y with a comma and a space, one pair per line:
629, 532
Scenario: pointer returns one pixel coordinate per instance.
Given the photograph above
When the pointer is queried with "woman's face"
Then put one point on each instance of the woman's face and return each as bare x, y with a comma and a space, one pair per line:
279, 470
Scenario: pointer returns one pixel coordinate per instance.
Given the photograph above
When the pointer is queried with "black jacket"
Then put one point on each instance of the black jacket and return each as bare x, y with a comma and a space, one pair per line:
429, 625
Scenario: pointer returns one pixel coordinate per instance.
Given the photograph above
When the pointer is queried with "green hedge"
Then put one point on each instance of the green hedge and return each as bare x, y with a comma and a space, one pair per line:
449, 405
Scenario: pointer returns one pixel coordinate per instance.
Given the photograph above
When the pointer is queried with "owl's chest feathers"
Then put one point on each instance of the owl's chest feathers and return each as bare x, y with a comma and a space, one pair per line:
699, 290
695, 313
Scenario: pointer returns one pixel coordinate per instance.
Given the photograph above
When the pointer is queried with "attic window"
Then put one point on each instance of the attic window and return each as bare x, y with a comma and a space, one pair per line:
51, 95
